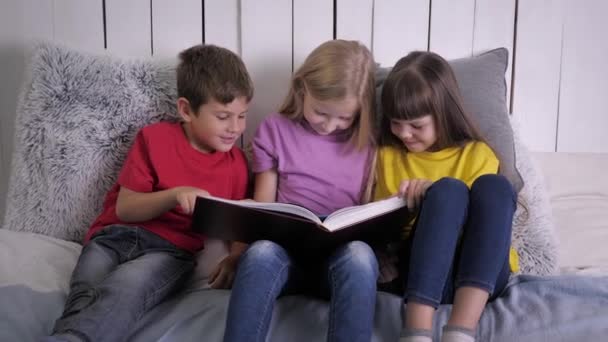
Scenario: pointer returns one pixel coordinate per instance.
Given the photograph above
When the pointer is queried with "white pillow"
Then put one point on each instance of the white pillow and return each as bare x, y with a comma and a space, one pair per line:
578, 191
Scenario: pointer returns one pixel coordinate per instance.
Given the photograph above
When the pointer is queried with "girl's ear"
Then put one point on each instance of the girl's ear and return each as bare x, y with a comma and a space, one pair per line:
184, 109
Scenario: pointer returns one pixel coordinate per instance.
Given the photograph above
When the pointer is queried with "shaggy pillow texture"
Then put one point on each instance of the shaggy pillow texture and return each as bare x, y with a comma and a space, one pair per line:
534, 234
76, 121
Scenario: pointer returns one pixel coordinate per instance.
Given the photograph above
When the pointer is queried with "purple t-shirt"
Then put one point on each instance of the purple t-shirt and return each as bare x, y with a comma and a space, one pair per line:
321, 173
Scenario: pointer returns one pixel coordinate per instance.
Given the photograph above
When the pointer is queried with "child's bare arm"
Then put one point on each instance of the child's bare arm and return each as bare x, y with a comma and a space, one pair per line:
266, 186
265, 191
132, 206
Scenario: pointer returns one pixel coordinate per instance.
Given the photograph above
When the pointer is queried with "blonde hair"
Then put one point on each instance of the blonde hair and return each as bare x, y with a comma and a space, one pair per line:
335, 70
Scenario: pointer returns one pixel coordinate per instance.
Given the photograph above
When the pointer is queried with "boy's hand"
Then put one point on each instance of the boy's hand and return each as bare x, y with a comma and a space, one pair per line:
223, 274
413, 190
387, 265
185, 196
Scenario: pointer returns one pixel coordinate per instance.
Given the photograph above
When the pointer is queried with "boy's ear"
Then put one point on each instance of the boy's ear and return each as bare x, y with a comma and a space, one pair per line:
184, 109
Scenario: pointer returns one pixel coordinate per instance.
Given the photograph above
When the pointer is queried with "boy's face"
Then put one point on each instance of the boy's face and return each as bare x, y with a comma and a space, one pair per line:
417, 135
216, 126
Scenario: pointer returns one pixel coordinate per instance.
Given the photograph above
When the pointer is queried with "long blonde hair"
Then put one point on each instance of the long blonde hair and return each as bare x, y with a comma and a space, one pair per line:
335, 70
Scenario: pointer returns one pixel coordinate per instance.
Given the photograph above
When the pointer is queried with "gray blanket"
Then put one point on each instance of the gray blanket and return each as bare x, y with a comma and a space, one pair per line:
35, 270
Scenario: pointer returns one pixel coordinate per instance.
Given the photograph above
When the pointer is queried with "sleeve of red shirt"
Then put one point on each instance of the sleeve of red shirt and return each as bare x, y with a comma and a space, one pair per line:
137, 173
242, 175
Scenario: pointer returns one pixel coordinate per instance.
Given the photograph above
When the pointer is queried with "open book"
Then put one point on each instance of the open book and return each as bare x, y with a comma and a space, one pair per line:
296, 227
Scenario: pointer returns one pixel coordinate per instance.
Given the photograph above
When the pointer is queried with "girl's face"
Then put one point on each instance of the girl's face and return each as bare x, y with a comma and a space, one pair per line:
417, 135
326, 117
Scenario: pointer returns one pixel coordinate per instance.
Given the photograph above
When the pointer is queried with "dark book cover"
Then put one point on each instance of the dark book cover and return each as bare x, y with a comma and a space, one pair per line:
227, 221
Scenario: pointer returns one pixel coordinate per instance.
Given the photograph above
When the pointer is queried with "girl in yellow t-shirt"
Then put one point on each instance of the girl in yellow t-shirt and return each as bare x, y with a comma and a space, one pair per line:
458, 249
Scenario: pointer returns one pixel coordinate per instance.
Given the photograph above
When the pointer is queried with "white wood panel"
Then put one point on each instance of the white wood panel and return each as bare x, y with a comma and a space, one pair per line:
452, 27
267, 52
583, 106
11, 69
223, 24
313, 24
128, 27
494, 26
537, 72
176, 27
37, 20
400, 26
354, 20
79, 24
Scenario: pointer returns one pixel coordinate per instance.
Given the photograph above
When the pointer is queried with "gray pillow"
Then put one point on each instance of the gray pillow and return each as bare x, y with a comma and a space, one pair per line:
77, 117
483, 87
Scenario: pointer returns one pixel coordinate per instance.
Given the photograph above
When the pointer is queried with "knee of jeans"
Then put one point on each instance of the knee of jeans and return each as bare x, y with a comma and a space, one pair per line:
264, 250
360, 259
493, 184
452, 187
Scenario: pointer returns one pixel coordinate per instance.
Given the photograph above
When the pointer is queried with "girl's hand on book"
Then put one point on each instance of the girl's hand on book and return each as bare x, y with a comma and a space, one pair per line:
185, 196
413, 190
223, 274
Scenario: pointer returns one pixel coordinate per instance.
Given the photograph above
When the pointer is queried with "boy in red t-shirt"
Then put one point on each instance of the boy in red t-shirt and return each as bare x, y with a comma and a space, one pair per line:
141, 248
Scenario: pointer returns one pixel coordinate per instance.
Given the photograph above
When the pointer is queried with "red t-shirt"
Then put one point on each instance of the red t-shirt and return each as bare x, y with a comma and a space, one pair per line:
162, 158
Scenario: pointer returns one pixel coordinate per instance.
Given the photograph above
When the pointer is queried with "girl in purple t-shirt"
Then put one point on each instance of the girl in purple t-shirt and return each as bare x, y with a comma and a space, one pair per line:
316, 152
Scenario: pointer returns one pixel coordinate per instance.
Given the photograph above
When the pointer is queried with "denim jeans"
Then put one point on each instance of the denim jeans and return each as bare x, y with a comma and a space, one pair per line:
121, 273
461, 238
347, 277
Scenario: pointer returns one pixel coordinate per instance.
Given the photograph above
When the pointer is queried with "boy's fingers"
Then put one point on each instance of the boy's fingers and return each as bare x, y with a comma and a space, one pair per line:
214, 273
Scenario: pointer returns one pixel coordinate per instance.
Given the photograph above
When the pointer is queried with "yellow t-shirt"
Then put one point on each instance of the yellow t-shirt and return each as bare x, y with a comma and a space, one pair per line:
466, 163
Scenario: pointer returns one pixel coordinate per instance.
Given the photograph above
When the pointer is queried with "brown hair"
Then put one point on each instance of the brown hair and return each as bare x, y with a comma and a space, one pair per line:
333, 71
211, 72
420, 84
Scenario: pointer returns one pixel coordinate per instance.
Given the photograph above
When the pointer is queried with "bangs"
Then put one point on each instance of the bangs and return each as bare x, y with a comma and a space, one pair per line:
408, 99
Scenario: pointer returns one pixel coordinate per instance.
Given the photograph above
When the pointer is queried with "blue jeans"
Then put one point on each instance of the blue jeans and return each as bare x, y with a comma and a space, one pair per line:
121, 273
347, 277
461, 238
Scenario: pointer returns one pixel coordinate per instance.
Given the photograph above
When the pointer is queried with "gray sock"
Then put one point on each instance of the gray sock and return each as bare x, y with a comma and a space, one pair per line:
457, 334
416, 335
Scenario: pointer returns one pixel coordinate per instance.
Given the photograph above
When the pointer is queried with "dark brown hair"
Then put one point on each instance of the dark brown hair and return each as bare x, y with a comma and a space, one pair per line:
423, 83
209, 72
335, 70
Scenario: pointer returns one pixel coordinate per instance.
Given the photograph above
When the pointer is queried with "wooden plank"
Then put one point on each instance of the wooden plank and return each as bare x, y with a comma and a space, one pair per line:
313, 24
267, 52
354, 20
537, 72
12, 63
583, 105
494, 27
223, 24
176, 27
37, 16
400, 26
452, 23
79, 24
128, 27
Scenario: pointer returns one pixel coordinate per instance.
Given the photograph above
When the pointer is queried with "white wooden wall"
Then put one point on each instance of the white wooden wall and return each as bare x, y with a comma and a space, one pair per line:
558, 77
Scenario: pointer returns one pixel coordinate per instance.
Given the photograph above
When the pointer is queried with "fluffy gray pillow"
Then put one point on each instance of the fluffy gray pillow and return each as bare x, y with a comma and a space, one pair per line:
75, 123
481, 80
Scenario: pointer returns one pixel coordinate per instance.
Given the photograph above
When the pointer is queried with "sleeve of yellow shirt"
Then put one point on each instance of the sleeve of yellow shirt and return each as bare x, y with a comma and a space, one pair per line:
380, 190
480, 161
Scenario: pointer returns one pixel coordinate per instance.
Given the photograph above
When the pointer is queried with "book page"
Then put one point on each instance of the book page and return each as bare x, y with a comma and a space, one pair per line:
349, 215
274, 206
